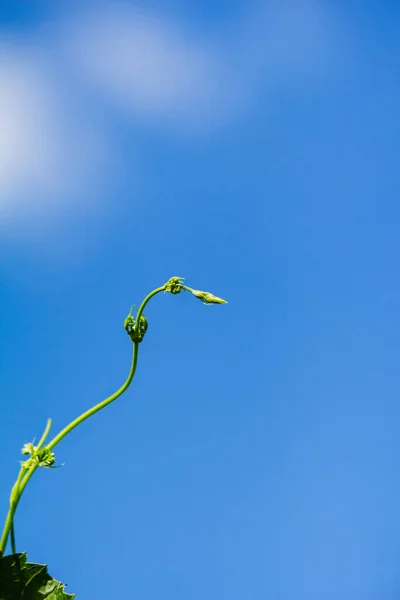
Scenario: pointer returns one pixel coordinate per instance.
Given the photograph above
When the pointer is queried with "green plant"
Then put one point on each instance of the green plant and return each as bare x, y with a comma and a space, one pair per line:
19, 579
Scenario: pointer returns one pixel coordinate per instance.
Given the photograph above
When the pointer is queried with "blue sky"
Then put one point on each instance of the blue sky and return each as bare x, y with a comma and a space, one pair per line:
253, 149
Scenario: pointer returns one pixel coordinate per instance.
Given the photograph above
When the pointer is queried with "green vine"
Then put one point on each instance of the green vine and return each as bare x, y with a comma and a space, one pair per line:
42, 455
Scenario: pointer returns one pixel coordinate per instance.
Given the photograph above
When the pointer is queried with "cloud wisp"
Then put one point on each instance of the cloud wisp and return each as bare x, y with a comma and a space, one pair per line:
146, 69
48, 154
149, 68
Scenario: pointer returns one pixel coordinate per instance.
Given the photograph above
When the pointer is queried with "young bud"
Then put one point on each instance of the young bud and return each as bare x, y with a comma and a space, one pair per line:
133, 329
174, 285
208, 298
40, 457
28, 448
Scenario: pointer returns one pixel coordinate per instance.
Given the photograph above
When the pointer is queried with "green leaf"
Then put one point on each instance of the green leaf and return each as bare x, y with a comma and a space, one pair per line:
20, 580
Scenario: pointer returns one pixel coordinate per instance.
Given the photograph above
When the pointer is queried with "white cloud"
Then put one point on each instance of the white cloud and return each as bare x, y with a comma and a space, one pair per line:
26, 140
149, 67
45, 159
159, 72
144, 68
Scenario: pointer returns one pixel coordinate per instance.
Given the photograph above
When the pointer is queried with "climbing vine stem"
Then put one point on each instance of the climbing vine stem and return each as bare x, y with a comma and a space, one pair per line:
42, 455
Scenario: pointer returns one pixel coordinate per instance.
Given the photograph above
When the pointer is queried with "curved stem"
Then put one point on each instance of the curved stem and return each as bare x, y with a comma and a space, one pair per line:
12, 535
145, 301
25, 474
99, 406
14, 499
45, 434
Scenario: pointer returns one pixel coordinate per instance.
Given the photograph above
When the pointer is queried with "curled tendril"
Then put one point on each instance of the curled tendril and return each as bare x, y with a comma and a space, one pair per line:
135, 330
174, 285
39, 457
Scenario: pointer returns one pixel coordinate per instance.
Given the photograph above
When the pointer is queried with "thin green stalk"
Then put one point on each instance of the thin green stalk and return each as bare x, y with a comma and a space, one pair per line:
16, 494
9, 523
145, 301
98, 407
136, 329
25, 474
12, 535
45, 434
13, 506
114, 396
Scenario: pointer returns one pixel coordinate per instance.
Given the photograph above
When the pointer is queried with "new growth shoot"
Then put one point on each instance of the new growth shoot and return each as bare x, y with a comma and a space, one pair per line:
42, 455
